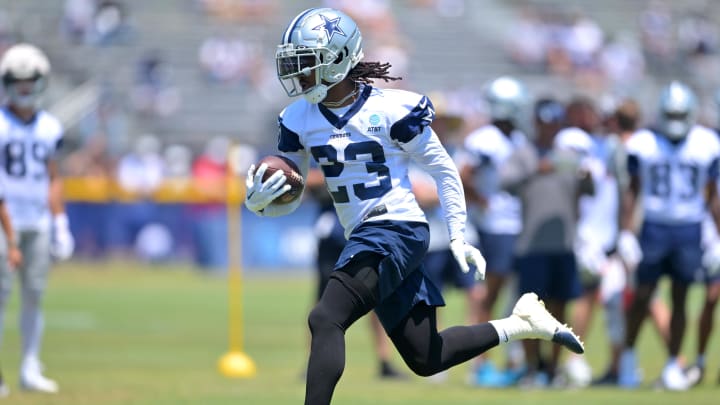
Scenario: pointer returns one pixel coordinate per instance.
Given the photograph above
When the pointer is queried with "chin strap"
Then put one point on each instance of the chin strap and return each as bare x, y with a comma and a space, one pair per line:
339, 103
316, 94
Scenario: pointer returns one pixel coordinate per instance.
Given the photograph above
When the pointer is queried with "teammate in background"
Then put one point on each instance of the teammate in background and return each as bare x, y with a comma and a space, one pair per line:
331, 241
31, 138
548, 182
442, 268
495, 211
598, 223
364, 138
674, 167
622, 124
711, 267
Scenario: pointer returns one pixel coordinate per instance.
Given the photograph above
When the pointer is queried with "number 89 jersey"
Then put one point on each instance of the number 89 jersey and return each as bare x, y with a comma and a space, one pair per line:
25, 149
674, 176
364, 151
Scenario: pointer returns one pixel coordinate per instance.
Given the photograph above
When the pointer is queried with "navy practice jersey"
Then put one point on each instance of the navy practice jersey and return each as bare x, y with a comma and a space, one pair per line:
26, 149
364, 150
674, 176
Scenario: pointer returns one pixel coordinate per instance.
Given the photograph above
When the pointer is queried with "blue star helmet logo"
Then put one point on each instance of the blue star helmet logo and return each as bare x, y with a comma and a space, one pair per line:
331, 27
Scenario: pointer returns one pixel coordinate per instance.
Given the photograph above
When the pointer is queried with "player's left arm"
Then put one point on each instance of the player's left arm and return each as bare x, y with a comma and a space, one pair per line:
62, 241
426, 150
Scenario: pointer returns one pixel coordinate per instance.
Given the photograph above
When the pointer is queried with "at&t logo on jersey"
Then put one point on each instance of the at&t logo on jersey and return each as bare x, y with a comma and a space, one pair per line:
374, 124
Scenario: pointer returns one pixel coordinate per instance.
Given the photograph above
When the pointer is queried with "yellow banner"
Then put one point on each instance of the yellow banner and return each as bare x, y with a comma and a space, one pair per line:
188, 191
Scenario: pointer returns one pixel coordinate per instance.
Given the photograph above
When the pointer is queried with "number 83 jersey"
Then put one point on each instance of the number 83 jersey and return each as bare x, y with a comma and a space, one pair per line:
25, 149
674, 175
364, 151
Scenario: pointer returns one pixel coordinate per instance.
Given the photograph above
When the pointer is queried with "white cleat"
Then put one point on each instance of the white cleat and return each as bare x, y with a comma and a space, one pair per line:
4, 390
542, 325
39, 383
674, 379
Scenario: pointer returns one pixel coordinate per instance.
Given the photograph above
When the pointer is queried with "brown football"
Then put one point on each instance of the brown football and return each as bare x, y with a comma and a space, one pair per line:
292, 172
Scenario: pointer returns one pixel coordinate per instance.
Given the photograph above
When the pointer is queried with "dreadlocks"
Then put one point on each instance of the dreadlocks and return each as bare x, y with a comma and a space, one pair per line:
364, 72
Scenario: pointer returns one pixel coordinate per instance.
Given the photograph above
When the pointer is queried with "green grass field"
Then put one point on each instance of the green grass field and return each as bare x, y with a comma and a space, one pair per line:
131, 334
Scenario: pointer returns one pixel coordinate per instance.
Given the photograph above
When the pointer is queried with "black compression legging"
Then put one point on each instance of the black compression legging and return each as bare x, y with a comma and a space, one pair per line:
350, 295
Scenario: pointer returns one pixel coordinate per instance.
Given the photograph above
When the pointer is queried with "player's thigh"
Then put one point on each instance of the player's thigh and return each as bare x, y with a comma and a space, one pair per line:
687, 256
565, 285
7, 276
35, 247
534, 274
498, 250
657, 245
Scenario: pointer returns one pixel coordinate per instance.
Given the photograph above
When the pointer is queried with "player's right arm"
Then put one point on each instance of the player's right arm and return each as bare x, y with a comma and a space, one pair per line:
260, 194
14, 255
627, 244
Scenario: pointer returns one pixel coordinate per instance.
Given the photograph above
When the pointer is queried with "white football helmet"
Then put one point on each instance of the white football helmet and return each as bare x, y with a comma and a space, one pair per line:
677, 111
21, 63
506, 98
320, 41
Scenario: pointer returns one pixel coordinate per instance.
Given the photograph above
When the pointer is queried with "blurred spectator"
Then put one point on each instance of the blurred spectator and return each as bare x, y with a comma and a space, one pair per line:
527, 40
90, 160
110, 24
697, 34
77, 20
154, 93
623, 64
239, 10
656, 34
139, 173
209, 173
225, 60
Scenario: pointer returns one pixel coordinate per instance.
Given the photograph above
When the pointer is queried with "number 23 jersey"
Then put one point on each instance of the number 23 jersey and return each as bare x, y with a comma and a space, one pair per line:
25, 149
364, 152
674, 176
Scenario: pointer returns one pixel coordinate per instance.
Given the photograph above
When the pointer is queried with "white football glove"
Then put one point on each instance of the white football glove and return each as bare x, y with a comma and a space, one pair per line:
259, 194
629, 249
465, 255
62, 243
590, 256
711, 258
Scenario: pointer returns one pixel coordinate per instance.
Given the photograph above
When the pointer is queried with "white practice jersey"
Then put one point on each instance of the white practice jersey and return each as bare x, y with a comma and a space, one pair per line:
674, 176
25, 149
599, 218
365, 153
489, 148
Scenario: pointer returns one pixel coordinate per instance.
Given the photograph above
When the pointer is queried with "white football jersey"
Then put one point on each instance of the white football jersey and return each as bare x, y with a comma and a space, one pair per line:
489, 148
599, 213
365, 152
674, 176
25, 149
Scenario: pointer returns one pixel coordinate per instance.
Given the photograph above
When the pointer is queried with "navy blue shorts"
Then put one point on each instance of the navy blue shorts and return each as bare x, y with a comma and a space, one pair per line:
674, 250
403, 282
552, 276
442, 268
498, 250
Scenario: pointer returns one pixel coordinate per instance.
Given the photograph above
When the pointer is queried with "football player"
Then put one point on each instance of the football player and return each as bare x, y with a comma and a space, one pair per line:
711, 267
363, 138
674, 167
495, 211
29, 140
598, 222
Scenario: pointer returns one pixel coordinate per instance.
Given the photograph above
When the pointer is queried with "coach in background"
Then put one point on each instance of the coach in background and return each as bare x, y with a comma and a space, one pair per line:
30, 139
547, 181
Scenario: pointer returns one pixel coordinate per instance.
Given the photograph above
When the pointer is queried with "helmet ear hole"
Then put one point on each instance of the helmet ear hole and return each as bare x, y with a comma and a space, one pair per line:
339, 58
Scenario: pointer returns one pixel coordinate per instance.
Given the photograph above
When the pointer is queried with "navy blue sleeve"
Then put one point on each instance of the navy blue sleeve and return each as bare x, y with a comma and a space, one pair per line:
288, 141
713, 170
633, 165
414, 123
